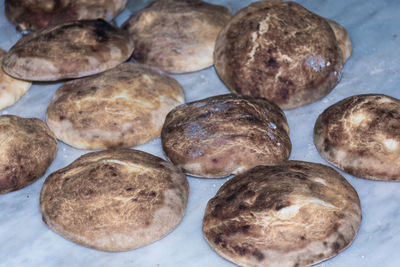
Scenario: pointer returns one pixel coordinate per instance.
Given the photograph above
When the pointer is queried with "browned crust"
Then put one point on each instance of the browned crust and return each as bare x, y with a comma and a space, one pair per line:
115, 200
123, 107
294, 214
36, 14
225, 134
69, 50
360, 135
343, 39
279, 51
27, 148
11, 89
177, 36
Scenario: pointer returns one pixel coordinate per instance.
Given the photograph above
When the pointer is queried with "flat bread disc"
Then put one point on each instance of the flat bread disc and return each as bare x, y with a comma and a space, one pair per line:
35, 14
360, 135
115, 200
225, 134
293, 214
177, 36
70, 50
11, 89
122, 107
27, 148
279, 51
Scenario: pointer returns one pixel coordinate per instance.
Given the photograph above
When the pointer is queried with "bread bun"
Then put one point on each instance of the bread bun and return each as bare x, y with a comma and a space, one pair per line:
360, 135
11, 89
115, 200
279, 51
225, 134
123, 107
177, 36
293, 214
35, 14
70, 50
27, 149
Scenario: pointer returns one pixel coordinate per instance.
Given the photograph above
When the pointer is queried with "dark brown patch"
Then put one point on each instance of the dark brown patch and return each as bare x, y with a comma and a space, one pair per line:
231, 197
259, 255
245, 228
272, 63
335, 246
240, 250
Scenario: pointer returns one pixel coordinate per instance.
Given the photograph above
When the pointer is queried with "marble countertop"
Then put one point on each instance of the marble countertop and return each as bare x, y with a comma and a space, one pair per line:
374, 27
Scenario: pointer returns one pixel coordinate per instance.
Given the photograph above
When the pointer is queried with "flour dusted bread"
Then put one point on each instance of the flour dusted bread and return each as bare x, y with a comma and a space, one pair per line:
279, 51
35, 14
11, 89
360, 135
27, 149
122, 107
115, 200
70, 50
177, 36
293, 214
225, 134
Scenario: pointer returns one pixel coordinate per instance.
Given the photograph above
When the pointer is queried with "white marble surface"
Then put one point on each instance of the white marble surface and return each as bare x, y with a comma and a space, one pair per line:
374, 27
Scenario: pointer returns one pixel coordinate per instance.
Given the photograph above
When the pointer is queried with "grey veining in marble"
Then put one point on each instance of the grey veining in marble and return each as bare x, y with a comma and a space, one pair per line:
374, 27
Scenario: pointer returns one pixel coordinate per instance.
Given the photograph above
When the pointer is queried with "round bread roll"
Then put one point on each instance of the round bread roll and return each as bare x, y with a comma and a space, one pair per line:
69, 50
27, 149
35, 14
225, 134
11, 89
115, 200
360, 135
177, 36
294, 214
279, 51
123, 107
342, 38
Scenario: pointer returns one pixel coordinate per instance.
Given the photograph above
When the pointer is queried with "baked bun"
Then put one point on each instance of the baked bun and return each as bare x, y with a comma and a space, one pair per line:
360, 135
11, 89
123, 107
177, 36
294, 214
35, 14
70, 50
225, 134
343, 39
279, 51
115, 200
27, 149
